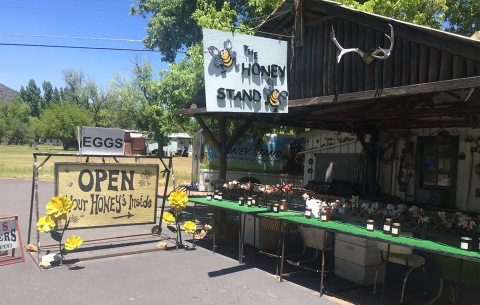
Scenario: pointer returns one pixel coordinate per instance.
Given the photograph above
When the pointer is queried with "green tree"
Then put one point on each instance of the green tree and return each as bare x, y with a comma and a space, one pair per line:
172, 27
184, 79
459, 16
57, 97
3, 126
463, 16
73, 91
32, 96
88, 95
61, 120
425, 12
15, 123
149, 113
124, 99
47, 95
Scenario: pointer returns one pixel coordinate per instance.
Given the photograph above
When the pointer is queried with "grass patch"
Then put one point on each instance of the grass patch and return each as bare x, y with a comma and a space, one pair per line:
16, 163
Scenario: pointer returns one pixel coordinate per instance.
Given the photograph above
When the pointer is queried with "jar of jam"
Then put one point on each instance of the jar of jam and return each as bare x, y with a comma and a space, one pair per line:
283, 205
323, 215
220, 196
269, 206
259, 202
308, 213
215, 195
249, 201
209, 196
396, 229
254, 200
370, 225
466, 243
241, 201
387, 226
276, 207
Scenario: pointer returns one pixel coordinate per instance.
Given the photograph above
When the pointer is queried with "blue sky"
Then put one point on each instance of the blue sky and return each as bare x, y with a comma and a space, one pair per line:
85, 18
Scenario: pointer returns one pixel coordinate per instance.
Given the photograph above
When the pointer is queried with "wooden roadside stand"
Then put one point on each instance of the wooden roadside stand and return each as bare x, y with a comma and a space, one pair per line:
429, 80
384, 83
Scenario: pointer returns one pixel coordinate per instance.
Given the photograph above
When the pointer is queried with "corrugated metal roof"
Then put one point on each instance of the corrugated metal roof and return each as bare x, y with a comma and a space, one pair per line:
179, 135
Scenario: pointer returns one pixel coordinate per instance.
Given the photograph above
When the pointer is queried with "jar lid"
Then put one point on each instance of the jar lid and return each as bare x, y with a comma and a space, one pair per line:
466, 238
396, 224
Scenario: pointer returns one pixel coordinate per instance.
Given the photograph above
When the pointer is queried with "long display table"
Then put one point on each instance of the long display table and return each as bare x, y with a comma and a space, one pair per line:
298, 218
234, 207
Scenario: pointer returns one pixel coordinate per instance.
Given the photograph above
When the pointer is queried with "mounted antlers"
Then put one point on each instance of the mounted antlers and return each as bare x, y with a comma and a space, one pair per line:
368, 57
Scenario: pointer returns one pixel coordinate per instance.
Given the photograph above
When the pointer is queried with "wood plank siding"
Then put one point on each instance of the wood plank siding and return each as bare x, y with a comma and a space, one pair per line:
315, 71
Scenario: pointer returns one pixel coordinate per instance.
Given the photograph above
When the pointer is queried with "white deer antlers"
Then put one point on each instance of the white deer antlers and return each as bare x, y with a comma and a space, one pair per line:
379, 53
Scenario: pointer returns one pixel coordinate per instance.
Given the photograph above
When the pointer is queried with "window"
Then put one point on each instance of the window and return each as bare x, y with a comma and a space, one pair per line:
435, 182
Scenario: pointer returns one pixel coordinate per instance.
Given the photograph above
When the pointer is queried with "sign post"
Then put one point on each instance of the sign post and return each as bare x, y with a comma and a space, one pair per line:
10, 241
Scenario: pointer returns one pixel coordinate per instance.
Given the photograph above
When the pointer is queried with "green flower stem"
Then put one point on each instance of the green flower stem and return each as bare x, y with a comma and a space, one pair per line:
178, 239
67, 222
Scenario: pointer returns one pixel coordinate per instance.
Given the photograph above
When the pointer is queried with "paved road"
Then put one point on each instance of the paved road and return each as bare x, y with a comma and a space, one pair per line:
161, 277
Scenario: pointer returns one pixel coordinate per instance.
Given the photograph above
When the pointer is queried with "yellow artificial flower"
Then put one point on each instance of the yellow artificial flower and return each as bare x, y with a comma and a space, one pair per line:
178, 200
73, 242
190, 227
59, 206
45, 224
169, 218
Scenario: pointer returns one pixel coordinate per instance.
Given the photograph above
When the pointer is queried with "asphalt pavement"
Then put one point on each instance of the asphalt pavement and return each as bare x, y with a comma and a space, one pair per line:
160, 277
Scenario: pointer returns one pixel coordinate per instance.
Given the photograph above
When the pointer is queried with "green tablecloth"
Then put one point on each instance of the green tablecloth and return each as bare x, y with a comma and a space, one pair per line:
450, 269
336, 226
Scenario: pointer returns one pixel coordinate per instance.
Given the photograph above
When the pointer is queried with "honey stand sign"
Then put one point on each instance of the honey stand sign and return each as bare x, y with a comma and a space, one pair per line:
108, 194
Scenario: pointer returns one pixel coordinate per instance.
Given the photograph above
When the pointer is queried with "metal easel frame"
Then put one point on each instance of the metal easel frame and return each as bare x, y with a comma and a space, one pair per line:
168, 170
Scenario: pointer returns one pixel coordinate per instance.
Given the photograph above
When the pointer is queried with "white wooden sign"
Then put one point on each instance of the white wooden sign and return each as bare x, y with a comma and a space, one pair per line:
9, 234
244, 73
102, 141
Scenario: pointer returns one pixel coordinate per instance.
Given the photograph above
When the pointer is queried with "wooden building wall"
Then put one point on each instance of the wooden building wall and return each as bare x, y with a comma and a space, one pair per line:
387, 172
315, 72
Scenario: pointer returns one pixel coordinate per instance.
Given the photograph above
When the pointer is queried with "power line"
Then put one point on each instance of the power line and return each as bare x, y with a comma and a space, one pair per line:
77, 47
81, 47
70, 37
63, 9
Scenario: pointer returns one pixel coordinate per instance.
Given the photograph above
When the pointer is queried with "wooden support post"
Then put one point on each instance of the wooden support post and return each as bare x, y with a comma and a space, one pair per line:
238, 133
222, 130
299, 23
370, 161
208, 133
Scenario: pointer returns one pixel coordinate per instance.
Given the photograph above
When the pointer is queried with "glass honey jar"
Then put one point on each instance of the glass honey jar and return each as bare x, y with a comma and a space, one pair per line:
387, 226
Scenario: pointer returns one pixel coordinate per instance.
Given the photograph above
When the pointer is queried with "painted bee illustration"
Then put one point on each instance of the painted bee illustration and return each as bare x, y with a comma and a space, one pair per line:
274, 97
224, 58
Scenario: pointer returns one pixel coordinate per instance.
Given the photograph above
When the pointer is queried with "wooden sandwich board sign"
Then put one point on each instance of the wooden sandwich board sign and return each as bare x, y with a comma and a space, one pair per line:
11, 248
105, 195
